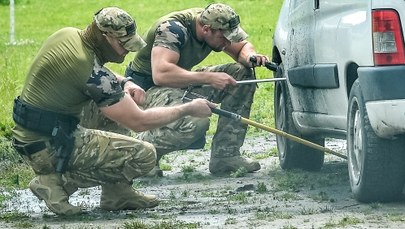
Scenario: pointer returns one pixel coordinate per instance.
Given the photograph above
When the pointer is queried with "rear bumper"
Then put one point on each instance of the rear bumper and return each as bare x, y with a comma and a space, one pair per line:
384, 95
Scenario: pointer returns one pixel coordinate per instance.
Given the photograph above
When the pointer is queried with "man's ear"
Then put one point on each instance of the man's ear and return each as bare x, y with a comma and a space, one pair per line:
206, 28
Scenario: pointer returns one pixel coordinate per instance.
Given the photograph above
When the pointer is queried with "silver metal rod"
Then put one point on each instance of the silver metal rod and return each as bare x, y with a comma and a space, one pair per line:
259, 81
249, 81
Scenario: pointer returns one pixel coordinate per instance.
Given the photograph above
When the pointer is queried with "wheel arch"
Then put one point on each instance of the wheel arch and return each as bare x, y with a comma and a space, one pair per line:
276, 55
351, 76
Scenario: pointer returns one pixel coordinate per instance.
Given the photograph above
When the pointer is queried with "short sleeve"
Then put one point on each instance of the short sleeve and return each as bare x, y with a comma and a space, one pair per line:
103, 86
171, 34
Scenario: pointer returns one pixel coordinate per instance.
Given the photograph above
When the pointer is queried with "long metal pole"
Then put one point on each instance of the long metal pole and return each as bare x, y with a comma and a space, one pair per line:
259, 81
275, 131
248, 82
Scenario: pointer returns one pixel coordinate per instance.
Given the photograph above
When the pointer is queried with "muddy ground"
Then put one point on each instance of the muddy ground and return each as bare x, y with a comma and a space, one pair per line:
192, 198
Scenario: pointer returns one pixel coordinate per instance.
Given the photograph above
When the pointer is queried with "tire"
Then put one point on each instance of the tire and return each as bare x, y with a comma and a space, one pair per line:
376, 166
291, 154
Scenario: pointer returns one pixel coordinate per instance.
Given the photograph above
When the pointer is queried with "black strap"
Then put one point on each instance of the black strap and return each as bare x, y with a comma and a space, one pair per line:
58, 126
145, 81
125, 80
28, 149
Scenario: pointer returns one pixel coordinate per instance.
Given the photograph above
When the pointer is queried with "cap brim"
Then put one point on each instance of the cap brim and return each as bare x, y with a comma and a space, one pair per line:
134, 44
236, 35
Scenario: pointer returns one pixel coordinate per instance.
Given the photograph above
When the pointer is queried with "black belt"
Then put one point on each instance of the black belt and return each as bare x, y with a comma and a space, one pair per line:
39, 120
145, 81
28, 148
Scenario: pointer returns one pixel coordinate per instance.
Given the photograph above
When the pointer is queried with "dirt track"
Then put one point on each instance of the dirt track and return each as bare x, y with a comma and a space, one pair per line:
192, 198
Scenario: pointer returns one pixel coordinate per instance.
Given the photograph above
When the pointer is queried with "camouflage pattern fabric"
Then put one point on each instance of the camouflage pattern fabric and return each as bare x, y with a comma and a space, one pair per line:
93, 118
230, 134
103, 86
99, 157
178, 134
223, 17
117, 23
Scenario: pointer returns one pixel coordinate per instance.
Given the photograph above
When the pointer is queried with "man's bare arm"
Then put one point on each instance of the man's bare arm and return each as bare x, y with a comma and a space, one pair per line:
127, 113
242, 51
165, 72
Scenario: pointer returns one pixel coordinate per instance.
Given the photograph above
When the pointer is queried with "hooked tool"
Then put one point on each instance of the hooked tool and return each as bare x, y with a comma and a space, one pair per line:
241, 119
245, 82
259, 81
269, 65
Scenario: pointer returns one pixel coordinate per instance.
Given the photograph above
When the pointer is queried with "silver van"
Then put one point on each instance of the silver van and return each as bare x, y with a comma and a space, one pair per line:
344, 61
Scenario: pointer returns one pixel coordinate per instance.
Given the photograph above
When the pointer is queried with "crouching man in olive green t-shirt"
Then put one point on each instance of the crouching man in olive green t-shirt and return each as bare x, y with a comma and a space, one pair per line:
68, 73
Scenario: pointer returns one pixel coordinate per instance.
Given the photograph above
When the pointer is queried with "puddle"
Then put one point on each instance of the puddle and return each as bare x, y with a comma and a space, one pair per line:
23, 201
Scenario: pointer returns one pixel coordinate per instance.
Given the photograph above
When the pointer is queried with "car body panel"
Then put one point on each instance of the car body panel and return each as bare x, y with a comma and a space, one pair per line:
384, 95
319, 41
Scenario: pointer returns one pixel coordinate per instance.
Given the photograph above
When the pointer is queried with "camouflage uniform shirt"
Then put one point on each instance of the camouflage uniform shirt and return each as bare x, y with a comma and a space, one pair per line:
177, 32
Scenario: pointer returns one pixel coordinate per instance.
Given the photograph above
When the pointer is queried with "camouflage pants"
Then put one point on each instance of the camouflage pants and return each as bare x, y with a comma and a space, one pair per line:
99, 157
229, 135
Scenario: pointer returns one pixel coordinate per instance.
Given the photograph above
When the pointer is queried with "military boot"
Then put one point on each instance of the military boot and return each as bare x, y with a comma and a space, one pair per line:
226, 165
155, 172
69, 186
123, 197
50, 189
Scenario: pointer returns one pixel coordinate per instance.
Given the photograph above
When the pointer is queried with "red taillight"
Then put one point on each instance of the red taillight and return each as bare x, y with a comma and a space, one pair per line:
387, 38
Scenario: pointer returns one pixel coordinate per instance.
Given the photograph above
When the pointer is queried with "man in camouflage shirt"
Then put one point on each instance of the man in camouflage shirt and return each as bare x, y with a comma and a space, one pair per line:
176, 43
66, 74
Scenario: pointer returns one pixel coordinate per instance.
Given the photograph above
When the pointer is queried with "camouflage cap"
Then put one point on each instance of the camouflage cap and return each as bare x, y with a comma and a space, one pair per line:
117, 23
223, 17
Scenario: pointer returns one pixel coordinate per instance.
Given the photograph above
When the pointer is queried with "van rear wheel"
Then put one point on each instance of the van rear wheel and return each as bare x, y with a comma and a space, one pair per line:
376, 166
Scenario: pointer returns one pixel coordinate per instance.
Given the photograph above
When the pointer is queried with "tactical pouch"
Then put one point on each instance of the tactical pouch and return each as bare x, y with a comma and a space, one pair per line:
64, 142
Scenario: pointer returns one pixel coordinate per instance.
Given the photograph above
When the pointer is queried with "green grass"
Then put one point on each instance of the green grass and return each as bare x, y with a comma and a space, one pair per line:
343, 223
36, 20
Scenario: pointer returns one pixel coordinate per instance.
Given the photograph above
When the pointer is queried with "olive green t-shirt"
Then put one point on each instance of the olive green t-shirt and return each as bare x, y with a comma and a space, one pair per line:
64, 77
177, 32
